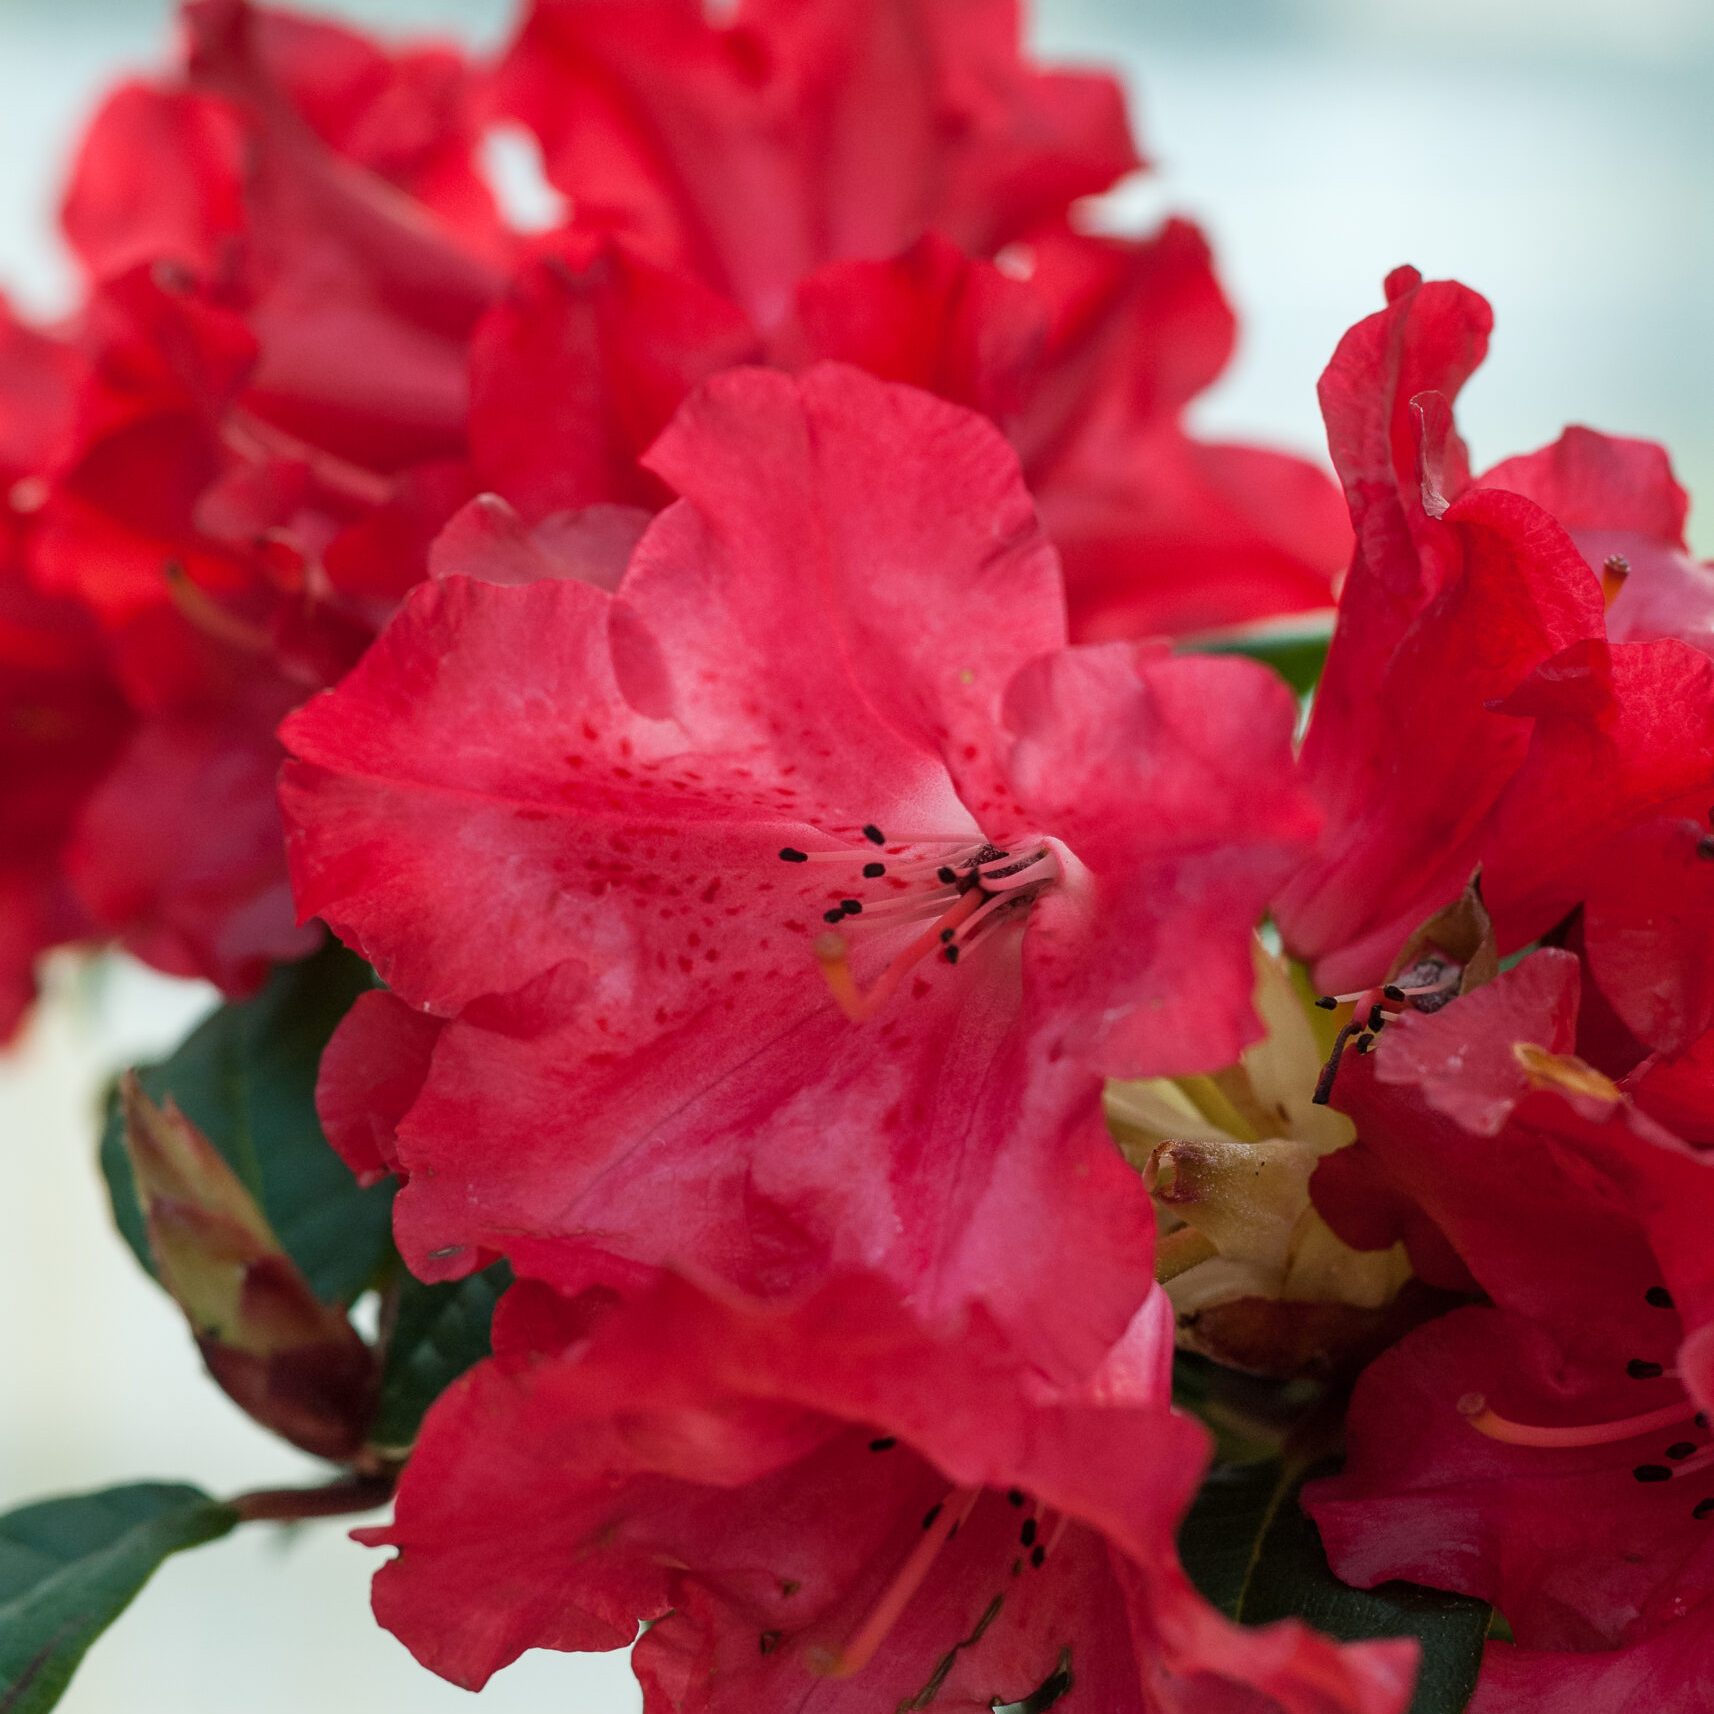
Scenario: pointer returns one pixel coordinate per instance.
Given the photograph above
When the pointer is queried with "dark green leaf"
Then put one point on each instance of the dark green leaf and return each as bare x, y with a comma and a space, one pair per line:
1250, 1416
246, 1078
70, 1567
1296, 650
1252, 1550
439, 1331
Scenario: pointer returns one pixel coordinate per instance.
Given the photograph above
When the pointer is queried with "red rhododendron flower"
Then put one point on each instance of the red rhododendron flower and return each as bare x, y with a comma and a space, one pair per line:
61, 714
749, 152
830, 1507
1475, 714
290, 249
726, 160
327, 274
1626, 512
788, 904
184, 623
328, 191
1087, 364
1549, 1453
1611, 811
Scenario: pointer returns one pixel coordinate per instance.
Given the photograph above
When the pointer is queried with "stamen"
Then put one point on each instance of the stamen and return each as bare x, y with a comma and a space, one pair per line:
905, 866
209, 617
996, 902
1324, 1084
941, 1525
832, 954
1370, 1004
1007, 874
1474, 1407
911, 905
958, 896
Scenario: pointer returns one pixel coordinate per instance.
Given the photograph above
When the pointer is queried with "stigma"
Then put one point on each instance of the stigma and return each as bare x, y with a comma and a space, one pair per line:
959, 892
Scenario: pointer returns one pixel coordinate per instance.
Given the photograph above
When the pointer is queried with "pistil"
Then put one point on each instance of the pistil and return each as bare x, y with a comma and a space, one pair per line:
858, 1004
1474, 1408
1683, 1456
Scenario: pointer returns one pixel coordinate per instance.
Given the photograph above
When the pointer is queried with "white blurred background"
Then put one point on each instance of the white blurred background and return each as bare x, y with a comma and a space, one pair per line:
1556, 154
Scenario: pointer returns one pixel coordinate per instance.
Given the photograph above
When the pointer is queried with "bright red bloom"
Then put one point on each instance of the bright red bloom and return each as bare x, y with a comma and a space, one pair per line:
830, 1507
290, 248
1474, 714
1087, 363
1611, 811
787, 906
61, 714
885, 184
274, 345
1404, 749
1087, 351
751, 152
1633, 758
193, 629
325, 189
1626, 512
1547, 1453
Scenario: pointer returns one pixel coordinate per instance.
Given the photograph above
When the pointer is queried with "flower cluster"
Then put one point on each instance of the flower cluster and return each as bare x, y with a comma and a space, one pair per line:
755, 665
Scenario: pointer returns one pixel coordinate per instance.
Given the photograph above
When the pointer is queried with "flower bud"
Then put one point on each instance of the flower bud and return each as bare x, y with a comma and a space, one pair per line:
292, 1362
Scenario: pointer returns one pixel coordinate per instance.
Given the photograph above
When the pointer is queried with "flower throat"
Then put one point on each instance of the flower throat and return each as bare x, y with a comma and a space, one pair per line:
959, 891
